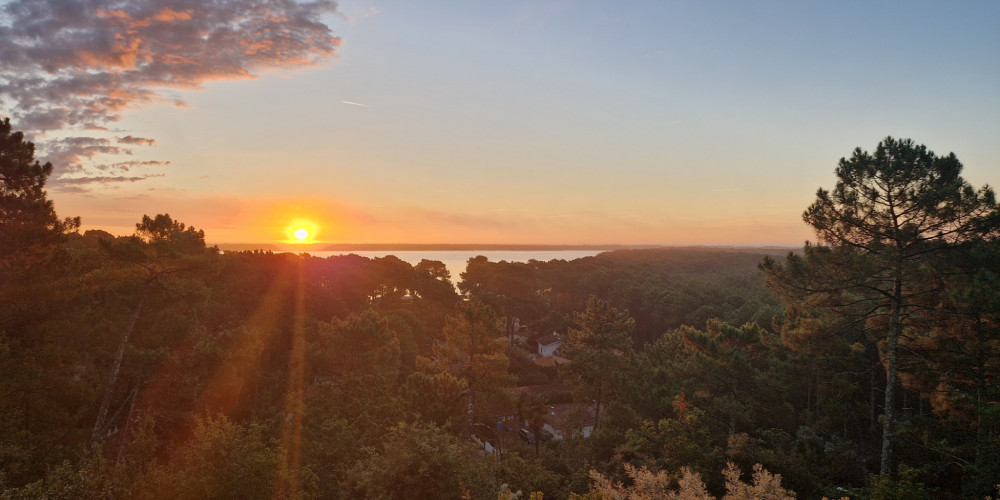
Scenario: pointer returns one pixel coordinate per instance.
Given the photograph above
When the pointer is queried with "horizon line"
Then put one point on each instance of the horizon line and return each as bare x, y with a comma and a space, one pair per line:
323, 247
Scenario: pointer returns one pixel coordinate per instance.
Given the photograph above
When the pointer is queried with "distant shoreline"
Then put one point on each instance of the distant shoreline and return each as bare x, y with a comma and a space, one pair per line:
422, 247
465, 247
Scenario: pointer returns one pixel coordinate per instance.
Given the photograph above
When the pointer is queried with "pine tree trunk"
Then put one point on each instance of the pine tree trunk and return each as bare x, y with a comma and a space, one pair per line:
888, 425
872, 404
888, 406
128, 422
983, 451
109, 391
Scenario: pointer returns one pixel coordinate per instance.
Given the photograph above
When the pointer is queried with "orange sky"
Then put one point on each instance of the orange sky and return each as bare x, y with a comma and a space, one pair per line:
513, 122
233, 220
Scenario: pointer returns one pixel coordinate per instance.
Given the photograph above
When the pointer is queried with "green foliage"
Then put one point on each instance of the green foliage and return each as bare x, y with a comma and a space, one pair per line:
527, 475
63, 482
601, 352
28, 222
509, 288
350, 377
222, 459
661, 288
360, 346
888, 228
736, 374
884, 488
473, 353
672, 443
421, 462
169, 237
436, 397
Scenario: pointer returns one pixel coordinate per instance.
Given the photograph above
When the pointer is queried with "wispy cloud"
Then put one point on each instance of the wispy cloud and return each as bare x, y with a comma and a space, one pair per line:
82, 185
355, 104
136, 140
78, 65
106, 179
70, 152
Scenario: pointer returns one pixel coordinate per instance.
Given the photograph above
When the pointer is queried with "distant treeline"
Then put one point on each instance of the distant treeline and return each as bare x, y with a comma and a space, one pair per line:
426, 247
661, 289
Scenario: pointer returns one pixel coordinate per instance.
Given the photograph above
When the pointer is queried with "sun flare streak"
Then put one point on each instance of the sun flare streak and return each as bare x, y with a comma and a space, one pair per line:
289, 483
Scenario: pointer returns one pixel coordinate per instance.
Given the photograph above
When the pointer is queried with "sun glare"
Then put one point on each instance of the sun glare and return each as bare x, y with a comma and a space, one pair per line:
301, 231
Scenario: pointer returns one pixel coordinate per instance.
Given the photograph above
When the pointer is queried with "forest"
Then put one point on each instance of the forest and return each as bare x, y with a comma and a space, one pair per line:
864, 365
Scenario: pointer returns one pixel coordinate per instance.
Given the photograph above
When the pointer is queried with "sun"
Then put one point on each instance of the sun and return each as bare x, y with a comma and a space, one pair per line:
301, 231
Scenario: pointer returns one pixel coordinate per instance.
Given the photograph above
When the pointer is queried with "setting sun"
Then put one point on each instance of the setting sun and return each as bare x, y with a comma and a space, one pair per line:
301, 231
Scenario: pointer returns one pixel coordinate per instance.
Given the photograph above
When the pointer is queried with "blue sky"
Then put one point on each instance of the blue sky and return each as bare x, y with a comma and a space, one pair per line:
559, 122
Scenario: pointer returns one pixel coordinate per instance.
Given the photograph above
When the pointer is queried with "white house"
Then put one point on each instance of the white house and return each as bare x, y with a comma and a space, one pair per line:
549, 345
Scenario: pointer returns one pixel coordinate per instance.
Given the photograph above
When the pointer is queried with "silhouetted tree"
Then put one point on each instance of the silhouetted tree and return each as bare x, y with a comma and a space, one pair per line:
881, 229
28, 222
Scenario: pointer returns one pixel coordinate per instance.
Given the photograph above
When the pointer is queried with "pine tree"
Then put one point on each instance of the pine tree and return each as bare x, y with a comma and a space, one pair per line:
882, 231
28, 221
600, 350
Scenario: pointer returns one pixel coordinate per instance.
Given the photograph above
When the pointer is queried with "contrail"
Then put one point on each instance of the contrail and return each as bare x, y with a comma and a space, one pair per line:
355, 104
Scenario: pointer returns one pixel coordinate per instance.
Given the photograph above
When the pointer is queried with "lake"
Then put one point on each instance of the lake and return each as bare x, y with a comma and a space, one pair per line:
455, 260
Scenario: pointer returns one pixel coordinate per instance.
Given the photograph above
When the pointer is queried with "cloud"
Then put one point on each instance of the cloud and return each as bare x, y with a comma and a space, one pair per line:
75, 155
355, 104
103, 179
142, 141
125, 166
82, 185
79, 65
70, 152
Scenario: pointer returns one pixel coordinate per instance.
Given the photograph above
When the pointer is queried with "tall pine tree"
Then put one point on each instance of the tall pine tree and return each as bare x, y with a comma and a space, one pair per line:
882, 232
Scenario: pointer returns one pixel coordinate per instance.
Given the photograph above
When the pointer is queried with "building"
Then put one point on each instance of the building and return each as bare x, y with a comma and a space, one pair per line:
548, 345
570, 419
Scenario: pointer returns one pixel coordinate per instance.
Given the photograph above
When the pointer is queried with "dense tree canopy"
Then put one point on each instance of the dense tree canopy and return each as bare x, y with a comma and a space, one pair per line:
153, 366
601, 351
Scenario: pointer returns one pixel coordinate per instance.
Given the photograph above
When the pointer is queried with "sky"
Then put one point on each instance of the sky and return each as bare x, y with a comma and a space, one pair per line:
515, 122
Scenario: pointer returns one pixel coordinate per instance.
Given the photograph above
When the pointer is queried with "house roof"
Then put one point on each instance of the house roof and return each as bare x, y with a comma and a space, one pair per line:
552, 338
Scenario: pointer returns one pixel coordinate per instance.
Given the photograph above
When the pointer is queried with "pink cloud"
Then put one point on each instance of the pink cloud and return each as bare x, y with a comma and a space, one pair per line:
75, 156
72, 65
